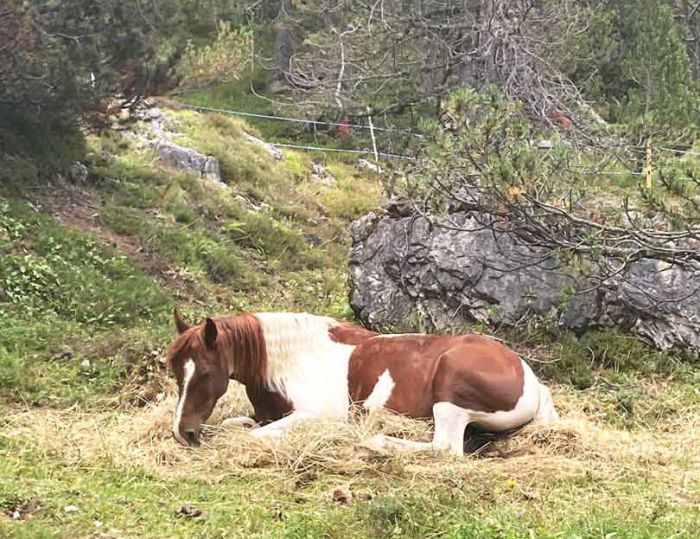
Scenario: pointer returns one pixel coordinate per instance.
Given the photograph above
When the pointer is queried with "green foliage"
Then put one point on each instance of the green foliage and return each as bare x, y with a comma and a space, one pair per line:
71, 275
224, 59
483, 136
31, 146
677, 197
649, 72
351, 197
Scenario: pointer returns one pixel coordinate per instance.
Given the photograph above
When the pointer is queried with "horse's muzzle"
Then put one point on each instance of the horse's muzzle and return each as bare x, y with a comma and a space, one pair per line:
191, 437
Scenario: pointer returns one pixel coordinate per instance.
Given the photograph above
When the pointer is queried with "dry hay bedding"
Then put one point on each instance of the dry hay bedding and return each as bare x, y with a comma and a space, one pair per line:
141, 438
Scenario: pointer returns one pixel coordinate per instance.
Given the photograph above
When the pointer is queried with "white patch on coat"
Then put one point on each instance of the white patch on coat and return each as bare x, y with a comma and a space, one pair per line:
450, 423
546, 411
381, 392
189, 373
305, 364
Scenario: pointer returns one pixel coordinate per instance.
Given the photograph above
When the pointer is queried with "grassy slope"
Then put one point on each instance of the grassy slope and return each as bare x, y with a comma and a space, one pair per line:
89, 275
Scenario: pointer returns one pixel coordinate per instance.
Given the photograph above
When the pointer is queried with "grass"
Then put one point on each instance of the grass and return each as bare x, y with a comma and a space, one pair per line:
88, 276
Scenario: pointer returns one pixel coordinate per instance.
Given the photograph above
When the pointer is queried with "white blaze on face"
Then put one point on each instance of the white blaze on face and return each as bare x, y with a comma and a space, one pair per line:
381, 391
189, 373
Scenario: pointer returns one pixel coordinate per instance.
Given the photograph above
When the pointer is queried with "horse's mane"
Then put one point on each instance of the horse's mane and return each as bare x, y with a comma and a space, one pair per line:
240, 343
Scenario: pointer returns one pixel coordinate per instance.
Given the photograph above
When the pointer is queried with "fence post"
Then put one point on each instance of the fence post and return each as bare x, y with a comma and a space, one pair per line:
648, 165
371, 133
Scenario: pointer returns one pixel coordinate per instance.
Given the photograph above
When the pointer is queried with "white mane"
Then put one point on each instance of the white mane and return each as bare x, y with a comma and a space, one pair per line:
304, 363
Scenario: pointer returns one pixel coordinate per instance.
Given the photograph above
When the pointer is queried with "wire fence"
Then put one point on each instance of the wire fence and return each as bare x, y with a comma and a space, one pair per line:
389, 155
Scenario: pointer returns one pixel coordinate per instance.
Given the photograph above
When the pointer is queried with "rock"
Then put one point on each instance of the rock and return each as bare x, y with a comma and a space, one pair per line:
248, 204
363, 164
189, 511
64, 352
188, 159
78, 173
401, 207
313, 240
320, 175
412, 273
274, 152
71, 509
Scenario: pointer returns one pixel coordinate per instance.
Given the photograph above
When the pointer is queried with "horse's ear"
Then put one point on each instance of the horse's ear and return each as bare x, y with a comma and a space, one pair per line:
210, 333
180, 323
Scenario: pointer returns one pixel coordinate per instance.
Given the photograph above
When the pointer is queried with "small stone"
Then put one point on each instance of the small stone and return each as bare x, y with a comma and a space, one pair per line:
272, 151
85, 363
98, 524
189, 511
78, 172
363, 164
320, 175
16, 515
70, 509
64, 352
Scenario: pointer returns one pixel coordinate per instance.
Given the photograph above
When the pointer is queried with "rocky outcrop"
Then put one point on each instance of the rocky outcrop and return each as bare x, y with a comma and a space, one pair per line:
271, 150
188, 159
321, 176
412, 273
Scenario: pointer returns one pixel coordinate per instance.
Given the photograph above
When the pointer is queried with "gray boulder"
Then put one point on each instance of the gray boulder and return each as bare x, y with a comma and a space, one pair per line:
414, 273
184, 158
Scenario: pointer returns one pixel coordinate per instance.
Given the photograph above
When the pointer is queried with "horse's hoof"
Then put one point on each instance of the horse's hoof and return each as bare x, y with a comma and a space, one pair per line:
376, 443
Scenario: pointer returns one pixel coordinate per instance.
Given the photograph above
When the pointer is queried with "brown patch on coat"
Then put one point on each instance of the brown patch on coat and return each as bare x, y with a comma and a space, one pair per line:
268, 405
471, 371
349, 333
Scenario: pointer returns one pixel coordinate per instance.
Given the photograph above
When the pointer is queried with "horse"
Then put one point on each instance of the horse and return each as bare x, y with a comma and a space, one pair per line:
298, 366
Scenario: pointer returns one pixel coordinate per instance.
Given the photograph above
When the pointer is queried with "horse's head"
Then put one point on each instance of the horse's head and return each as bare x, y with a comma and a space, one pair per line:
202, 377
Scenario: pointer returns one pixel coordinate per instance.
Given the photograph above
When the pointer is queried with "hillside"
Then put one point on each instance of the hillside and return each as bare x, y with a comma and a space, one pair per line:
91, 266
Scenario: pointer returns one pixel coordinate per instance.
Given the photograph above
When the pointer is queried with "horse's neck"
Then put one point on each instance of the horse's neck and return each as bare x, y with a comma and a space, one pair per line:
290, 338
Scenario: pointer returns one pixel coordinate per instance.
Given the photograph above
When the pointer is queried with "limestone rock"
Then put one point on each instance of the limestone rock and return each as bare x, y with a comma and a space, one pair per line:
410, 272
184, 158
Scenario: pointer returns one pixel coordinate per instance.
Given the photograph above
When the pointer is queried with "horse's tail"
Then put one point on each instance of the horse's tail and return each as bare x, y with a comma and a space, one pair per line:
545, 411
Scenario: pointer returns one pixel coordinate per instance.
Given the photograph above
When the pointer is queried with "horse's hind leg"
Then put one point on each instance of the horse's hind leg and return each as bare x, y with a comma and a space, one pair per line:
450, 423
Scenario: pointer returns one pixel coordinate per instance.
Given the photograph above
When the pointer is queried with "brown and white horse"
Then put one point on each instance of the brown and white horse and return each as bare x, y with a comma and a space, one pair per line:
299, 366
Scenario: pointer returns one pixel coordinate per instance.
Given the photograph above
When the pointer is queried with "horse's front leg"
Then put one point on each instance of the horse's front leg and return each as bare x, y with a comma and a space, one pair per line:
243, 421
279, 427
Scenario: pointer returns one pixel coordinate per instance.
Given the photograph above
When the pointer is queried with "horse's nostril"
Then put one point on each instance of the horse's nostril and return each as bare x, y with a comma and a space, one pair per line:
192, 437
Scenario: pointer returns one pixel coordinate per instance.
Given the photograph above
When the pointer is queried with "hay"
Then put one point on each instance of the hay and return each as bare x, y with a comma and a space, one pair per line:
141, 438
